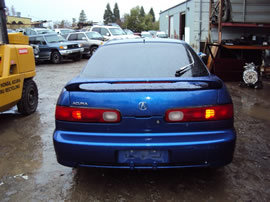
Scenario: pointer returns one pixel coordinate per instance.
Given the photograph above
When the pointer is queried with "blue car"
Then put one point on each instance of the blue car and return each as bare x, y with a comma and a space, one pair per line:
144, 104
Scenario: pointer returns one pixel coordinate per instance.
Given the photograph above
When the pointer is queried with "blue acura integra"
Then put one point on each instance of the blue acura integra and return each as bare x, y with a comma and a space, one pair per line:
144, 103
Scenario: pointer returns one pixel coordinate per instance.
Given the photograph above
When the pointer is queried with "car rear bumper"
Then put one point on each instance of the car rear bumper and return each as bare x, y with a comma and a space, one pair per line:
190, 149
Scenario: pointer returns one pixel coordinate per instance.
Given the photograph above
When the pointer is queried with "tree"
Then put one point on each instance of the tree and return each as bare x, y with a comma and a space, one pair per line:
116, 14
13, 12
73, 22
142, 13
108, 15
62, 24
151, 12
138, 21
132, 21
82, 18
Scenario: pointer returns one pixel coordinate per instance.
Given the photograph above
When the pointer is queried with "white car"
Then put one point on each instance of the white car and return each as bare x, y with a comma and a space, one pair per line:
161, 35
112, 32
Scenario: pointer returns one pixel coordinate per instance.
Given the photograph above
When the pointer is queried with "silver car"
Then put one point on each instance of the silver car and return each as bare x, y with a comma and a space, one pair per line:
90, 41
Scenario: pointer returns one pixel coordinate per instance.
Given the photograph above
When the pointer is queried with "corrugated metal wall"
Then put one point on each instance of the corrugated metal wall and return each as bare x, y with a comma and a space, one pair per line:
250, 11
200, 6
192, 9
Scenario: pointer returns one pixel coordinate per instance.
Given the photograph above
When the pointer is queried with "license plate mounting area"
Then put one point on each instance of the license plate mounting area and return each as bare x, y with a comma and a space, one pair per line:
143, 157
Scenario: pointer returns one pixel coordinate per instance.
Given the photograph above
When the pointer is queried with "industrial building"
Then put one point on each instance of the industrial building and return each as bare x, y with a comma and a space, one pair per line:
196, 21
187, 21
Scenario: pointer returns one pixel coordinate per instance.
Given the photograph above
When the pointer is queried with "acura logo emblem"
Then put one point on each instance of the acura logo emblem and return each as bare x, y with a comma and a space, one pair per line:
143, 106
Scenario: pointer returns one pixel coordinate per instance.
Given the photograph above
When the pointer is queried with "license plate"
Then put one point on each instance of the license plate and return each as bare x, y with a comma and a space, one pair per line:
143, 156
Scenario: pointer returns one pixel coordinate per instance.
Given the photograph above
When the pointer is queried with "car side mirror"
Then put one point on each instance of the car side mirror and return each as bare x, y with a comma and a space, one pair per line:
44, 43
108, 34
84, 38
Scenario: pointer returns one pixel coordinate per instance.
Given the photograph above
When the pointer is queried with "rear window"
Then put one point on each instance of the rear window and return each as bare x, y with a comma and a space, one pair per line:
144, 60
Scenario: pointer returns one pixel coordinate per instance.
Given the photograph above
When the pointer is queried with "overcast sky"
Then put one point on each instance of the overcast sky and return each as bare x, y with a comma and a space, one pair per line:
57, 10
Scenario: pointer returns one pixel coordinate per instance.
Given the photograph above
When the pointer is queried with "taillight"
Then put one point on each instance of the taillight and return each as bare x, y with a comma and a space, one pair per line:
87, 115
219, 112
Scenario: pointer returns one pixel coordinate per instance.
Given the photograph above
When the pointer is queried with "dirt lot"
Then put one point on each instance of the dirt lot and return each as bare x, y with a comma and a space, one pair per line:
29, 171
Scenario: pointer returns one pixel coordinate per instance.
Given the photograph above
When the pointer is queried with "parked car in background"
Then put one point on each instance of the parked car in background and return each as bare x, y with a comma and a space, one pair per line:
146, 104
37, 31
90, 41
153, 33
161, 35
111, 32
128, 32
55, 48
131, 34
146, 35
85, 29
11, 31
64, 32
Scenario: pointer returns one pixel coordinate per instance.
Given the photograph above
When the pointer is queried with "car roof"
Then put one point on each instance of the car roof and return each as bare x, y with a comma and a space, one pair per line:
37, 35
145, 40
63, 29
83, 32
101, 26
39, 28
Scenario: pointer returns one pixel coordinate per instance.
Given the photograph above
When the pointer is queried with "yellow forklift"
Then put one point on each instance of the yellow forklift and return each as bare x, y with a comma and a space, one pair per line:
17, 69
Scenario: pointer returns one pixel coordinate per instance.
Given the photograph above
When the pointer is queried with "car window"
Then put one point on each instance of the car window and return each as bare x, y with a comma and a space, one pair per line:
32, 32
73, 37
32, 40
117, 31
104, 31
93, 35
54, 38
39, 40
144, 60
96, 29
146, 35
81, 36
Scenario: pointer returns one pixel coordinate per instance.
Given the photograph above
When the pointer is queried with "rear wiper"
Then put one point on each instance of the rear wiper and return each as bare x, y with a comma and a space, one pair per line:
183, 70
186, 68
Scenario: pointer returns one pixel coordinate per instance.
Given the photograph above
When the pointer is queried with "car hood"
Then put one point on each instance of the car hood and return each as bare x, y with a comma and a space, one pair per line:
63, 43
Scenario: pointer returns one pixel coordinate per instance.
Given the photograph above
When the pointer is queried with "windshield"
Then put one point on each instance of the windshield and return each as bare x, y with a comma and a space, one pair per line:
67, 31
44, 31
54, 38
146, 35
117, 31
129, 32
93, 35
162, 35
144, 60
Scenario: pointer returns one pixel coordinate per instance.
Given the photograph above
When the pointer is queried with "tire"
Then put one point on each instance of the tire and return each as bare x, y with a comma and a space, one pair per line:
77, 58
93, 49
56, 58
29, 101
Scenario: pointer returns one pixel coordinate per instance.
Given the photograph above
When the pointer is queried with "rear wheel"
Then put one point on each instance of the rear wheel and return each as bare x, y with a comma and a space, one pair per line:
29, 101
56, 58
